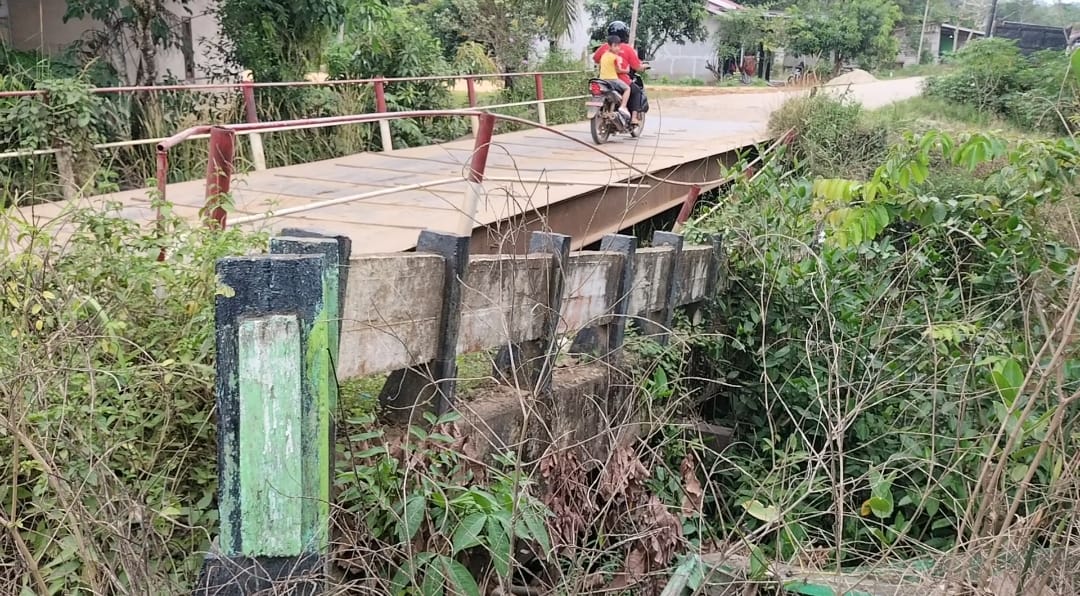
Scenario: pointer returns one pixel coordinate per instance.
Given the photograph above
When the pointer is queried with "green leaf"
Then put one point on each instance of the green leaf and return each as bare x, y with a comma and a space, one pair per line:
413, 516
402, 578
759, 565
1008, 376
467, 534
460, 578
538, 530
881, 508
434, 583
881, 215
756, 509
499, 543
1017, 472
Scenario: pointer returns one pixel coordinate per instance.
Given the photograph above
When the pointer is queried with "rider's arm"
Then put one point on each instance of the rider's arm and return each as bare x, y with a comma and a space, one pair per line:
631, 57
598, 53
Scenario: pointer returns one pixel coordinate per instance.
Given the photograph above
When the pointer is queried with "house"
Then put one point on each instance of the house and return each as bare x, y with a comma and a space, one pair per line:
672, 60
39, 25
689, 60
1033, 38
938, 39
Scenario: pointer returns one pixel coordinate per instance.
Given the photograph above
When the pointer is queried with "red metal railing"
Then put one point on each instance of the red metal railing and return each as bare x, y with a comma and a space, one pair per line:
248, 88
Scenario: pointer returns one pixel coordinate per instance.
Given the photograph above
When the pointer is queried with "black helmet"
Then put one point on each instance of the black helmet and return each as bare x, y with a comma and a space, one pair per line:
619, 28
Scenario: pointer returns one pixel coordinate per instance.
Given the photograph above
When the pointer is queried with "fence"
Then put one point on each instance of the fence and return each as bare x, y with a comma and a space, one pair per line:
248, 90
289, 324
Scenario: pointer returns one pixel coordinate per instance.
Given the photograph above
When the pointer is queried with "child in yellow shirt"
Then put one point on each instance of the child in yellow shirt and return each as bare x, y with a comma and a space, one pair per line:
611, 65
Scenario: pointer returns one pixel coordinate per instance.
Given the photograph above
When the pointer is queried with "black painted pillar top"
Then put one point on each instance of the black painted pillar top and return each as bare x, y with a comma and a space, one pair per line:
667, 318
627, 246
454, 250
717, 280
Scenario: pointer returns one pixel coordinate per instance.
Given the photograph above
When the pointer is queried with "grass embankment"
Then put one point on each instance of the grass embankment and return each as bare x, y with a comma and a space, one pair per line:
889, 297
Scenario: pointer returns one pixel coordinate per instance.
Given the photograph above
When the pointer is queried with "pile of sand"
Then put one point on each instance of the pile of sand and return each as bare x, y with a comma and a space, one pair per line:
855, 77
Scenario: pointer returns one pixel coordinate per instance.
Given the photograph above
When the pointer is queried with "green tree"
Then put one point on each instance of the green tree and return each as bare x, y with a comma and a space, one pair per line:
507, 28
742, 30
396, 43
278, 40
1056, 14
852, 30
149, 24
659, 22
445, 20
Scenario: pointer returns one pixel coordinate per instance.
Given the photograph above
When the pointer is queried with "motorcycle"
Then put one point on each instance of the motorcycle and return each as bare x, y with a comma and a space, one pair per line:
603, 110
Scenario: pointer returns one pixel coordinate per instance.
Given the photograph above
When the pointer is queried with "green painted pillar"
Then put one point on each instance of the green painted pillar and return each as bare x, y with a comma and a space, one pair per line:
275, 394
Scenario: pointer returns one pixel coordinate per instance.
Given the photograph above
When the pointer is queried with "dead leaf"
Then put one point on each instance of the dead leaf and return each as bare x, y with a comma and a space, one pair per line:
635, 564
1008, 585
693, 493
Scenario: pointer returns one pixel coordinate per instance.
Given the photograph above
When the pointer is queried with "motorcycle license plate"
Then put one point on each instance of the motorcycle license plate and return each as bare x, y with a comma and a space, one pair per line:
594, 107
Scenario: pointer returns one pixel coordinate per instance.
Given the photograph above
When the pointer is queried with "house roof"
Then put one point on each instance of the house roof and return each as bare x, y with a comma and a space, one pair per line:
959, 29
721, 6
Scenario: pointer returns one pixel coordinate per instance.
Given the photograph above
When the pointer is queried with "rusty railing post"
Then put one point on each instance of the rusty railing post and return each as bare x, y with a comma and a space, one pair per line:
219, 170
687, 208
470, 86
476, 174
380, 107
258, 156
541, 107
162, 185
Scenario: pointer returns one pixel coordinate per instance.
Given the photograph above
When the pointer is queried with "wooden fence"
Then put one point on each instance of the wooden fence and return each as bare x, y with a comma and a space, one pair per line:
291, 323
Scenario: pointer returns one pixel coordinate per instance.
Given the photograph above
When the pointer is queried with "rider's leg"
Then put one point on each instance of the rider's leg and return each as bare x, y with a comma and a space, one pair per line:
635, 103
624, 94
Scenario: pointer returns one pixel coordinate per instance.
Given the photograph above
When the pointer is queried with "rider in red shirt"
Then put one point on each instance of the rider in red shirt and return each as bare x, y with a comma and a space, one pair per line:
629, 56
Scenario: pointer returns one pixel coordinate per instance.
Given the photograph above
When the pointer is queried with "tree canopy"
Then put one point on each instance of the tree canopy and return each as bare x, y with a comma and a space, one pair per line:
851, 30
659, 21
742, 30
278, 39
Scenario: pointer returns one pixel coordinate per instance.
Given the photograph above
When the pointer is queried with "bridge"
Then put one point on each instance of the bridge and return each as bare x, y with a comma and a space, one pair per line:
541, 178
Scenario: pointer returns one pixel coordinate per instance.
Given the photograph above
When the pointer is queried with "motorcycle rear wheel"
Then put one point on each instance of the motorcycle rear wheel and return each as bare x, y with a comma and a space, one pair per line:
599, 129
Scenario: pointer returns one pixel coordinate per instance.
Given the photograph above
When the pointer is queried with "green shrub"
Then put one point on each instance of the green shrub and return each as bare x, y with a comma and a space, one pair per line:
834, 137
107, 356
987, 71
70, 118
992, 76
401, 46
876, 336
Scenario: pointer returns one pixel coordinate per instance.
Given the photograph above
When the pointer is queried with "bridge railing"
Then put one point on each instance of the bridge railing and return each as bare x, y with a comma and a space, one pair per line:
290, 324
248, 89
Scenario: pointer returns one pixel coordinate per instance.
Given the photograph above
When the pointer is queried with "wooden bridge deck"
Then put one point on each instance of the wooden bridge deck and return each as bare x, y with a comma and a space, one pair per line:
527, 171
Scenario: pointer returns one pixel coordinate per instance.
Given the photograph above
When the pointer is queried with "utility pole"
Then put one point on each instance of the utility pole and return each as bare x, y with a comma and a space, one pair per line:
922, 33
990, 19
633, 22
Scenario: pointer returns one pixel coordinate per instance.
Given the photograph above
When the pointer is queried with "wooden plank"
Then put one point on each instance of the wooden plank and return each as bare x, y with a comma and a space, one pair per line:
360, 212
592, 281
695, 270
271, 477
391, 314
504, 301
652, 272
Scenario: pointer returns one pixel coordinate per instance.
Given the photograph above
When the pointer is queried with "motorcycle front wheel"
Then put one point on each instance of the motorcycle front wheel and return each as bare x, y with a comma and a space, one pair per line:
599, 129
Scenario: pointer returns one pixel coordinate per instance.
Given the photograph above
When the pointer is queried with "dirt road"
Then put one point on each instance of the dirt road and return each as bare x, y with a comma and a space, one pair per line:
756, 107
